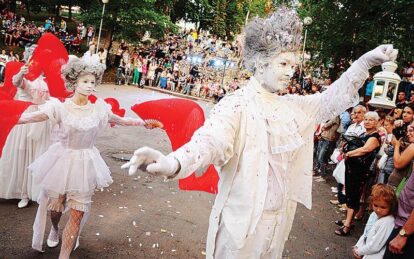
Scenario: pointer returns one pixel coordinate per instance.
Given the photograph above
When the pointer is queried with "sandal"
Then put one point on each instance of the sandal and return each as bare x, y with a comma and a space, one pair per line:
341, 231
341, 223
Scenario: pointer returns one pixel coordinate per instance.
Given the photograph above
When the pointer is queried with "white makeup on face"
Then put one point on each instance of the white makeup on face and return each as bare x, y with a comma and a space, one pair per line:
275, 76
86, 84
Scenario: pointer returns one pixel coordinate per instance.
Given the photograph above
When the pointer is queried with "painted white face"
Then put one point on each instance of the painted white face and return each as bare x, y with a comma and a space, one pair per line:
86, 84
275, 75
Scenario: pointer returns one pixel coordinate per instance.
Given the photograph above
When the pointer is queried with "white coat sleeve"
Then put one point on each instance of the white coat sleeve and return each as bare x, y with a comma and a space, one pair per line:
340, 95
213, 142
376, 238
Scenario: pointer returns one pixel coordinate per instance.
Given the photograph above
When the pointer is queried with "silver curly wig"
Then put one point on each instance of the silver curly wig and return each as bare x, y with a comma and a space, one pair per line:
266, 38
80, 66
28, 52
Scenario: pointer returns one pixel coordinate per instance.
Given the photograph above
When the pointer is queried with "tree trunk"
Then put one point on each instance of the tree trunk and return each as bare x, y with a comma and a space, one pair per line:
26, 3
70, 10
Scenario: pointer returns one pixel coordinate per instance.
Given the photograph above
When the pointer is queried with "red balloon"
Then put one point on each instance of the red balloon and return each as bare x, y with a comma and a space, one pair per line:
181, 118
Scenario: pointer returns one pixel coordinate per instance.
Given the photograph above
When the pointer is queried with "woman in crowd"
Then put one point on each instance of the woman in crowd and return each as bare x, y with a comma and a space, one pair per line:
358, 162
388, 165
151, 71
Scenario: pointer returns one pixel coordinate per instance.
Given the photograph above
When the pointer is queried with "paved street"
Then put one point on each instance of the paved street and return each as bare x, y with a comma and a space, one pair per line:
144, 217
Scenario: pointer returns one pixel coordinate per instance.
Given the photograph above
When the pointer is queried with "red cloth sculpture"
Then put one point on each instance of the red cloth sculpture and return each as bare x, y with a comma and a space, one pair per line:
181, 118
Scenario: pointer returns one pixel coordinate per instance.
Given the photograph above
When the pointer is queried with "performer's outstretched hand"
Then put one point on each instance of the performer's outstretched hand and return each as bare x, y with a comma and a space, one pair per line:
152, 161
379, 55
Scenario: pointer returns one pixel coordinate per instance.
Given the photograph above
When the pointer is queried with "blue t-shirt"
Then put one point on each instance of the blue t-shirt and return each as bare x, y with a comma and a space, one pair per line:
370, 87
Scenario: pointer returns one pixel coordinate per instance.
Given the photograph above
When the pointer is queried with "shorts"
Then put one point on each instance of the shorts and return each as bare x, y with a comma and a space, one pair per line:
77, 201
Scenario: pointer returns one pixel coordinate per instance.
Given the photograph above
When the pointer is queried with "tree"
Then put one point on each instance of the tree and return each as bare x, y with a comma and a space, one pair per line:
129, 19
349, 28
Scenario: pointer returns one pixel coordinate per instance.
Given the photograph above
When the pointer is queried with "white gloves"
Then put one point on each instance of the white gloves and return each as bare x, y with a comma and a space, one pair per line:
152, 161
379, 55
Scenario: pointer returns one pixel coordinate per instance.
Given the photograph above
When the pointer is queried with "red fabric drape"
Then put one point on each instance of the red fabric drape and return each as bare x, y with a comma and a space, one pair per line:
181, 118
49, 57
10, 112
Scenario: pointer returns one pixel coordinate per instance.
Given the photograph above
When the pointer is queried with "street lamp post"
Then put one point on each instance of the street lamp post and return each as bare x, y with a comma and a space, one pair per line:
224, 72
100, 27
307, 21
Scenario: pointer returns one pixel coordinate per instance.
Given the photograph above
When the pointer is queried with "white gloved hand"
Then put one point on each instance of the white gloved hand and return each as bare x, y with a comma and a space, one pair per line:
379, 55
152, 161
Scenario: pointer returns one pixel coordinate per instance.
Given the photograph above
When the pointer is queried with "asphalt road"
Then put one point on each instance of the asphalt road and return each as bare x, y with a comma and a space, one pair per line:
144, 217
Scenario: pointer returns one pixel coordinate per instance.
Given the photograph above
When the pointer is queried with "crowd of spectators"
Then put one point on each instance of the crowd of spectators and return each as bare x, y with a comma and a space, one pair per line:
371, 153
189, 63
18, 32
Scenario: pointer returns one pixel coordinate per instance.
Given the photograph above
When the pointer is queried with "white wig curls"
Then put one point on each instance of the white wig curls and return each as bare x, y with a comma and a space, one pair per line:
266, 38
80, 66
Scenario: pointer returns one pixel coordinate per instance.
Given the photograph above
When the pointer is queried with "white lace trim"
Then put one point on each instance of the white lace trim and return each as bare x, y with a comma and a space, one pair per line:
77, 116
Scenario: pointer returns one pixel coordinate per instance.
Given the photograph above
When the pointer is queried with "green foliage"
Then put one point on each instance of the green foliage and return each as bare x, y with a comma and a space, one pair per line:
129, 19
349, 28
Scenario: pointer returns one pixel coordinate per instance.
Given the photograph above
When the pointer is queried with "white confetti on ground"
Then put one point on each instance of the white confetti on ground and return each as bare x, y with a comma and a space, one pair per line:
97, 234
101, 216
148, 233
134, 223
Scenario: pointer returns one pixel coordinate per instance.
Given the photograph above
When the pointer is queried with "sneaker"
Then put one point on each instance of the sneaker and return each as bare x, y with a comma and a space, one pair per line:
331, 162
53, 238
23, 203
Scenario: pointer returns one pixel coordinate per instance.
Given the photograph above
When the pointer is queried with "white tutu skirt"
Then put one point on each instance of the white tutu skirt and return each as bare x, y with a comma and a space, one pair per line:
64, 170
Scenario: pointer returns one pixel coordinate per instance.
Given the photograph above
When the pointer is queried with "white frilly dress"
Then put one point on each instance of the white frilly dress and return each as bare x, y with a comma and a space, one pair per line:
24, 144
72, 165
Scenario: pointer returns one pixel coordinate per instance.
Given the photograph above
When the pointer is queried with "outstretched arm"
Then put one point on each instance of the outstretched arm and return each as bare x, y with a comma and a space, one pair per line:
211, 144
32, 117
126, 121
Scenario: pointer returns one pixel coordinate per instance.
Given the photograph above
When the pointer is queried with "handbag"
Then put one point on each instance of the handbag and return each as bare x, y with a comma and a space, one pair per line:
339, 172
382, 161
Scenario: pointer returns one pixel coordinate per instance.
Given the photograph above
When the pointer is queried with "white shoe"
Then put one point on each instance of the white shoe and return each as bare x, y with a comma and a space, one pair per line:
23, 203
53, 238
77, 244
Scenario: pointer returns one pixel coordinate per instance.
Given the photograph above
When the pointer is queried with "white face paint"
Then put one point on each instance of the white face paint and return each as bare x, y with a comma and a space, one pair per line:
275, 75
86, 84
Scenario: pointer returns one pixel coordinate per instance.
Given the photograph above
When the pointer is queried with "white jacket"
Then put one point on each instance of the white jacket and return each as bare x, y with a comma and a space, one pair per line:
371, 245
235, 140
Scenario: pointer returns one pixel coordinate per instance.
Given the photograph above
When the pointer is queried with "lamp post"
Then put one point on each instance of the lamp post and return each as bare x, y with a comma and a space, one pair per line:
307, 21
100, 27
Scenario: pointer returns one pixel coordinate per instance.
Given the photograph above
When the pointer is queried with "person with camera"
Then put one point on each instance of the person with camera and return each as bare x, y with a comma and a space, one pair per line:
359, 153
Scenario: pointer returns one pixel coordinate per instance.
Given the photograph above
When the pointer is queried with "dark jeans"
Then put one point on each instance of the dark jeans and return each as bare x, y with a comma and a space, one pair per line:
325, 149
408, 250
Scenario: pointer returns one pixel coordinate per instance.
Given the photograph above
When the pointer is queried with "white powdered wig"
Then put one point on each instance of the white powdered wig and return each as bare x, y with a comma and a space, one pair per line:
80, 66
266, 38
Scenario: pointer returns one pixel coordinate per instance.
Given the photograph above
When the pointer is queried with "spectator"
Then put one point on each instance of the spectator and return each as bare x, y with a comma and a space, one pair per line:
4, 58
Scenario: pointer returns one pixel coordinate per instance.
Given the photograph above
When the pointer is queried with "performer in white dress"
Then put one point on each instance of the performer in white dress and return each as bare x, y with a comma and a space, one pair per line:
25, 142
261, 142
72, 168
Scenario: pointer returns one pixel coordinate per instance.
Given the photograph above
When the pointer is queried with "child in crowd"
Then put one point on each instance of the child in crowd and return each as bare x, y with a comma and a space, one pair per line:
371, 245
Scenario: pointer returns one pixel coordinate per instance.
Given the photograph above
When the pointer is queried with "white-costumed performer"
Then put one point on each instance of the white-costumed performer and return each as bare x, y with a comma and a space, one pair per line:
261, 142
72, 168
25, 142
